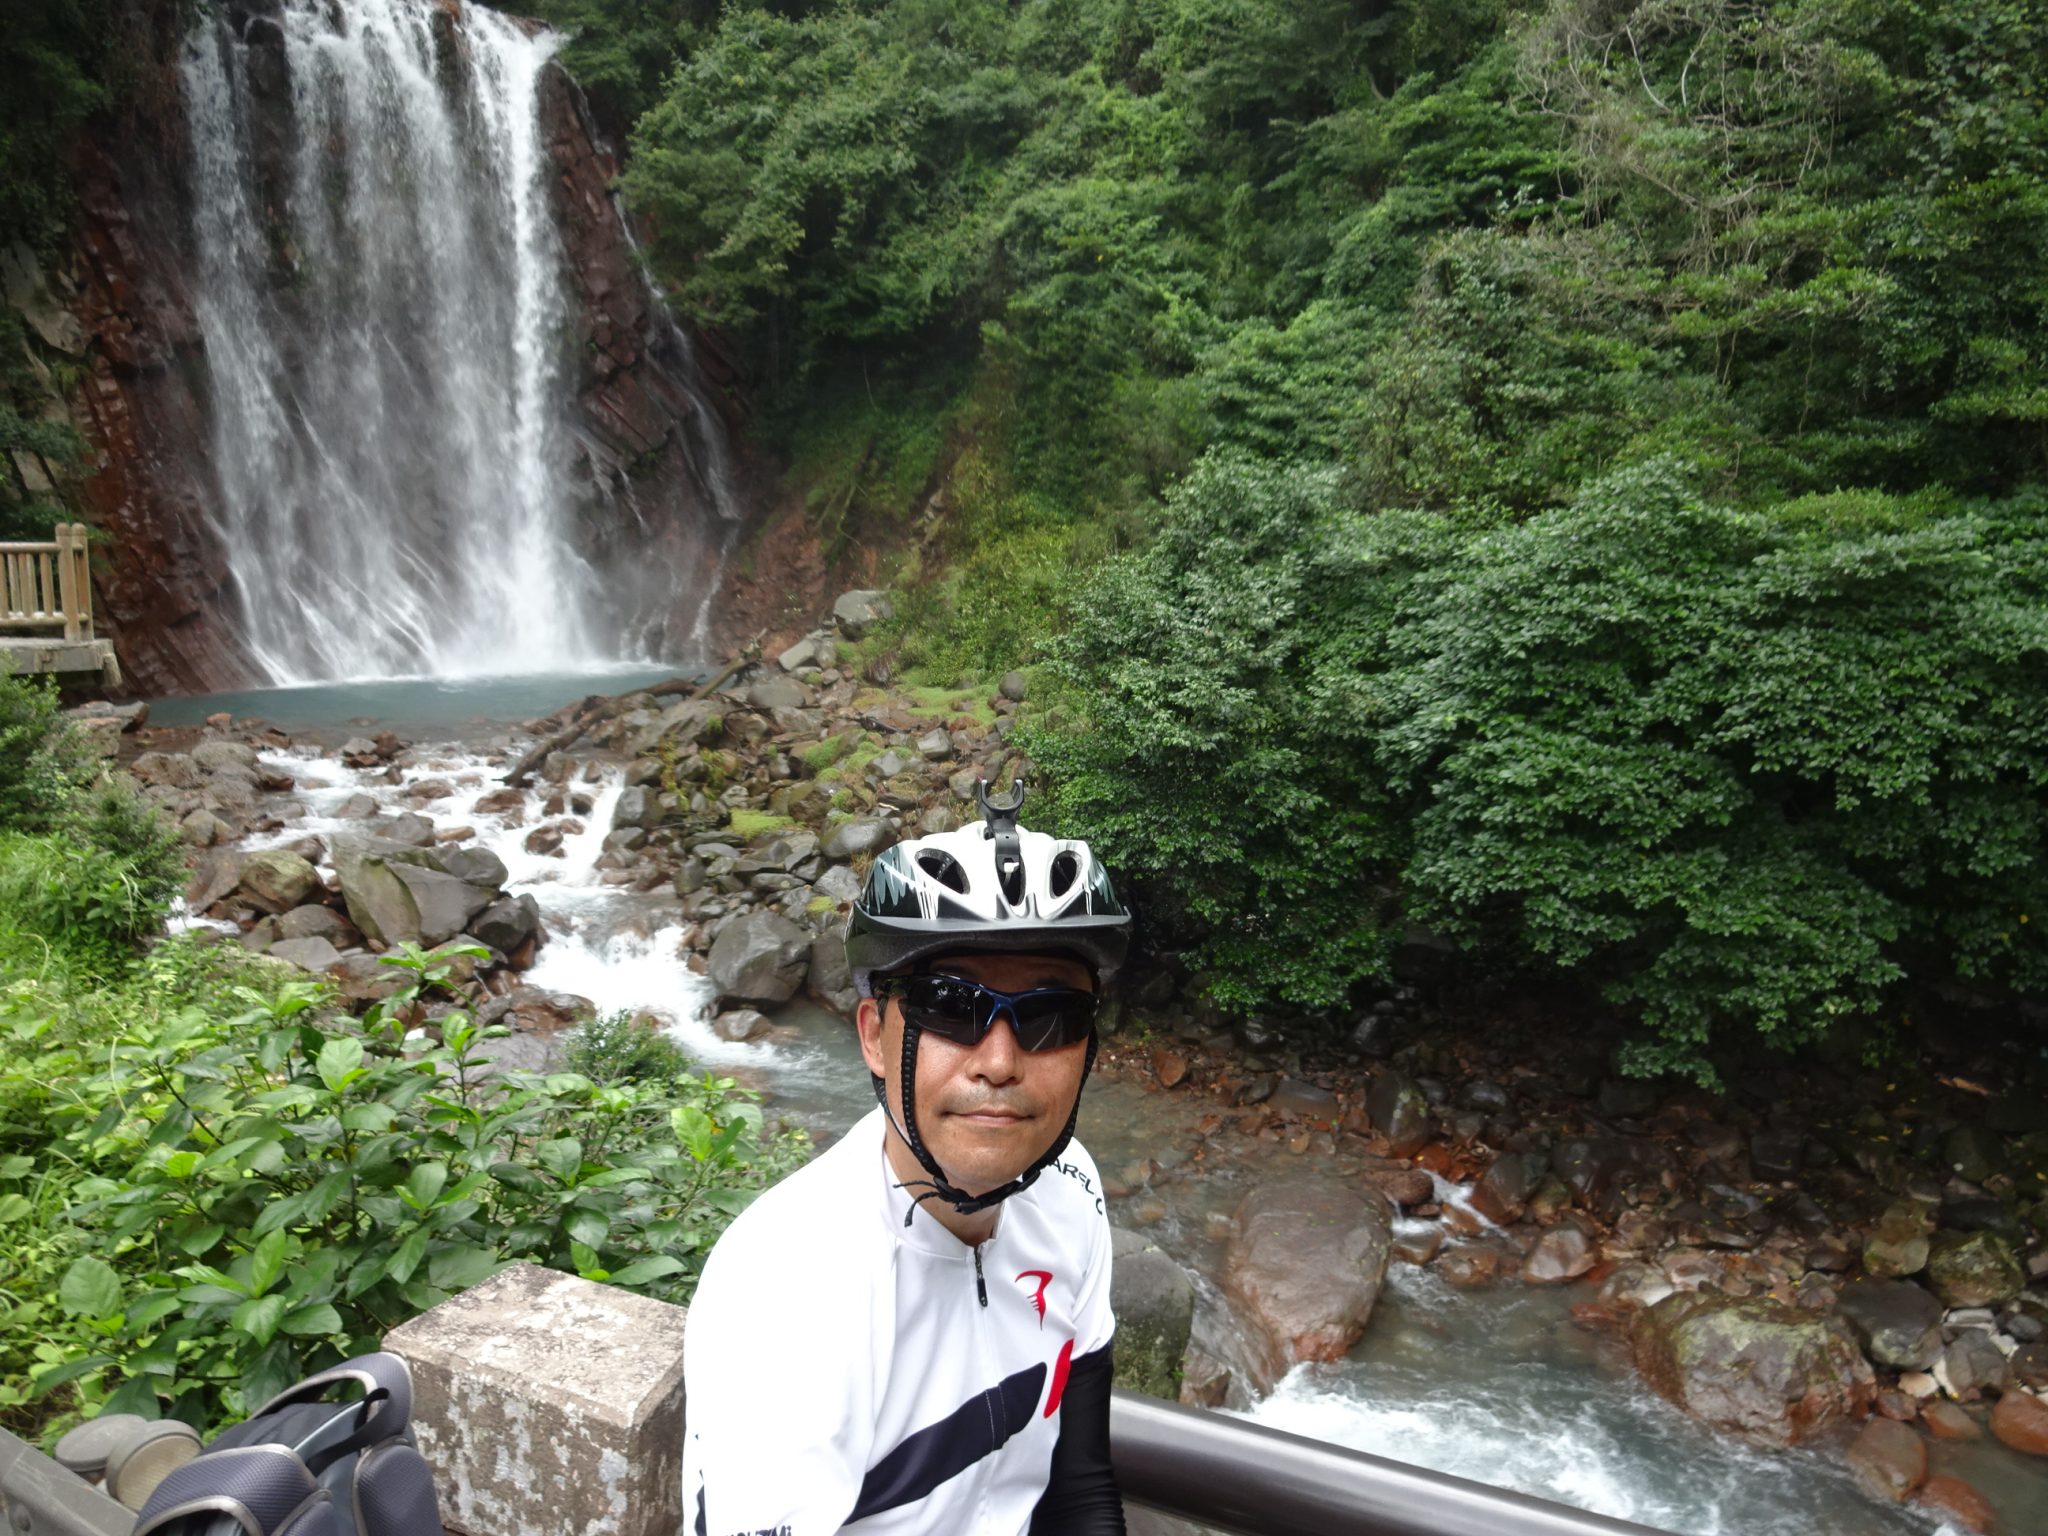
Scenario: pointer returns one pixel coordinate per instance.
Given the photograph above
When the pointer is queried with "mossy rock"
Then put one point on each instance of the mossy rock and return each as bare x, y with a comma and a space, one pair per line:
1771, 1373
1974, 1269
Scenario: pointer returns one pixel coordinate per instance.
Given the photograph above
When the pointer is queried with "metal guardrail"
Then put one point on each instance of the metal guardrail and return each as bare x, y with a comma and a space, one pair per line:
1220, 1472
40, 1498
1244, 1478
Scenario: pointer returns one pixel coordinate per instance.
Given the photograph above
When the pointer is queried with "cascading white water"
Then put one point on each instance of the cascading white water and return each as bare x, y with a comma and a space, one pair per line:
386, 348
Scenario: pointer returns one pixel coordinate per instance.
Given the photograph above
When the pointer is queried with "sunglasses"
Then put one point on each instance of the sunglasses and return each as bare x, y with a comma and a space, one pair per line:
965, 1011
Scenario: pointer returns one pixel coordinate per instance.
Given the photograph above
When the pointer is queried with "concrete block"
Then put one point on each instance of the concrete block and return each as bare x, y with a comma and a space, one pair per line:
548, 1405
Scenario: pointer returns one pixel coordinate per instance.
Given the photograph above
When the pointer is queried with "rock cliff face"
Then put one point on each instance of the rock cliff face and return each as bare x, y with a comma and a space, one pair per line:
651, 413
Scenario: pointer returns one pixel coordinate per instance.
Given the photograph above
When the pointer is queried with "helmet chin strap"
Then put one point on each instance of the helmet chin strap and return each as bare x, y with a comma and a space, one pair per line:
940, 1187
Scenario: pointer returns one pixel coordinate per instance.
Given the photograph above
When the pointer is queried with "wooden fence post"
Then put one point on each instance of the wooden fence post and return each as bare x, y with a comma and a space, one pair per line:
70, 567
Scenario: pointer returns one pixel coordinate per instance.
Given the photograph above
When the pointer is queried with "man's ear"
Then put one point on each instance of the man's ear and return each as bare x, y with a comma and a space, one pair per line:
867, 1019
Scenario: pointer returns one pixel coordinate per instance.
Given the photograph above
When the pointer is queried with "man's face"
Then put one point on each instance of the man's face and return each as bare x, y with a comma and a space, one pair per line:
986, 1112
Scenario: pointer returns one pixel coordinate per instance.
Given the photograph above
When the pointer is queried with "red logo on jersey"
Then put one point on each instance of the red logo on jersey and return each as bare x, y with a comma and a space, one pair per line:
1044, 1278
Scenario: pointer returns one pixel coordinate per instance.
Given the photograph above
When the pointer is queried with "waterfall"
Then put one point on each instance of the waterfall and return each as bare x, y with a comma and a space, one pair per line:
382, 304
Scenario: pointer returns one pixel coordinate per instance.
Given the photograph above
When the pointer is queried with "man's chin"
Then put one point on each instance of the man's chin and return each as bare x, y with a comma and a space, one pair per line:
985, 1157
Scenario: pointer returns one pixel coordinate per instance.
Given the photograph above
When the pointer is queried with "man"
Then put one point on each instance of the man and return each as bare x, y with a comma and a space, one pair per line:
912, 1334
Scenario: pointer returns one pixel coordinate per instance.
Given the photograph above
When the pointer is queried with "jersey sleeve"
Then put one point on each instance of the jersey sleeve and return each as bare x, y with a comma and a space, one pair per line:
778, 1408
1094, 1320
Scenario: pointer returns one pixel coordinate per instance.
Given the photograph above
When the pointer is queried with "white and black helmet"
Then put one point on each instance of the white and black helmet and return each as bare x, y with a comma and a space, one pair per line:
991, 886
994, 886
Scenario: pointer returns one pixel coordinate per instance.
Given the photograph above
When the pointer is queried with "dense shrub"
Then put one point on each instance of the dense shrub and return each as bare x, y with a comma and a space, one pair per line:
1732, 767
232, 1186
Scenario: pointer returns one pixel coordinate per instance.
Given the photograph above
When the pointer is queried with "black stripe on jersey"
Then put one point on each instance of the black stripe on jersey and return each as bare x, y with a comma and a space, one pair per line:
927, 1457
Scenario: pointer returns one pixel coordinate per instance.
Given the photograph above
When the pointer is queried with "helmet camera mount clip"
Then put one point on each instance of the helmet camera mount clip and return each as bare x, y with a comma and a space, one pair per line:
999, 822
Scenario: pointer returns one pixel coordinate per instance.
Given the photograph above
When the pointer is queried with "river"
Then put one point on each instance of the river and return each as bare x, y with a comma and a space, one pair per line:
1497, 1385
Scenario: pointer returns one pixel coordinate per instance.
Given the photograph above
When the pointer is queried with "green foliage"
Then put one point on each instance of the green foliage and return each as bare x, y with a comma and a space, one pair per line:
1358, 352
54, 56
616, 1048
1731, 767
620, 50
43, 762
230, 1187
87, 868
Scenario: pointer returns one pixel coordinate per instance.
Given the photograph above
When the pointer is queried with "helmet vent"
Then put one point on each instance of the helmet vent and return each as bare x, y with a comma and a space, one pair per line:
1066, 869
944, 868
1010, 876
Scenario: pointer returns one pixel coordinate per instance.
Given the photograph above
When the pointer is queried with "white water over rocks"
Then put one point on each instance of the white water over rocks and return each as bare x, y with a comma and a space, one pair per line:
386, 348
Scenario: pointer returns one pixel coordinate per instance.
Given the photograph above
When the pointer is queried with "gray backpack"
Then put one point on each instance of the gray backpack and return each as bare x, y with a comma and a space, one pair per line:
303, 1465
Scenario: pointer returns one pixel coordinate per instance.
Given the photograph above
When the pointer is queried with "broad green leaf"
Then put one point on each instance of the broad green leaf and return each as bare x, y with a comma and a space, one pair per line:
655, 1267
90, 1288
519, 1177
693, 1130
266, 1261
315, 1318
409, 1254
590, 1228
372, 1119
200, 1240
181, 1165
14, 1207
340, 1062
44, 1381
259, 1317
426, 1183
562, 1157
457, 1269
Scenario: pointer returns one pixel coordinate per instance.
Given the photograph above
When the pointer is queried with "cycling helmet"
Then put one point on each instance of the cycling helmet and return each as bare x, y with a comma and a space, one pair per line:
994, 886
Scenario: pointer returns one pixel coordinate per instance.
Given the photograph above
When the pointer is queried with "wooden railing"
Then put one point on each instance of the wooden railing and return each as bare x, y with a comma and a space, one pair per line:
48, 586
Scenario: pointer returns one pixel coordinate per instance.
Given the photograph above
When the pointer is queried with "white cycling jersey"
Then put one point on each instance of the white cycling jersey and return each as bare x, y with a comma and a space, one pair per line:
842, 1370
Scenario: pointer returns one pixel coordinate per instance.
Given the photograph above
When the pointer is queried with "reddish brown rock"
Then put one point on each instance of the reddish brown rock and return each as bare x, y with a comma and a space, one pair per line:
1560, 1255
1889, 1459
1307, 1261
1404, 1186
1946, 1421
1169, 1066
2021, 1420
1958, 1503
1503, 1194
1470, 1266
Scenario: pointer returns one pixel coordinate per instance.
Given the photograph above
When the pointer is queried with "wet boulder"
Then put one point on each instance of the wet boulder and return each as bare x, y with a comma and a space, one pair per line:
535, 1010
397, 895
507, 923
1898, 1244
1899, 1323
737, 1024
310, 954
862, 834
1399, 1111
275, 880
1562, 1254
1503, 1193
2020, 1420
859, 611
830, 977
312, 921
761, 957
1306, 1262
1973, 1269
1889, 1459
1154, 1302
1773, 1374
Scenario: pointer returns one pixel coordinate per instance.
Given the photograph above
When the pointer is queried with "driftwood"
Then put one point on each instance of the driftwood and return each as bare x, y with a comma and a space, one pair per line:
600, 706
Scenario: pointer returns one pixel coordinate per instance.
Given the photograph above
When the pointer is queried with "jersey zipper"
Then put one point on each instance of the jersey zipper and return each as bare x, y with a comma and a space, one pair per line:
980, 1286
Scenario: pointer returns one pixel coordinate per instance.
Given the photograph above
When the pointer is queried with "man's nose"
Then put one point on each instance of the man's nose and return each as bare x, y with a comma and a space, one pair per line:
997, 1058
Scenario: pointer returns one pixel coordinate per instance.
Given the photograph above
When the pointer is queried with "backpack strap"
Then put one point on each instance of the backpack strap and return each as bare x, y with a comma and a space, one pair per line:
386, 1406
